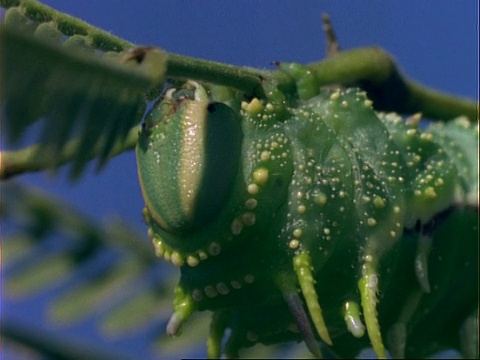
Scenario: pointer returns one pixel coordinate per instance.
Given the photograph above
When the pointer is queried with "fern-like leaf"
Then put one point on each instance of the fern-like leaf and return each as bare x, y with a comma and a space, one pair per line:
127, 295
79, 81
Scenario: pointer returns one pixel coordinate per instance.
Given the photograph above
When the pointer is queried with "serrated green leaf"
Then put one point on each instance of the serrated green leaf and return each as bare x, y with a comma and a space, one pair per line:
14, 247
89, 297
40, 275
73, 88
136, 313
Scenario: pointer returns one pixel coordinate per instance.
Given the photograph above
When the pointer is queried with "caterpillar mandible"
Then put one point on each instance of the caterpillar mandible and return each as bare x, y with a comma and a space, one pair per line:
312, 217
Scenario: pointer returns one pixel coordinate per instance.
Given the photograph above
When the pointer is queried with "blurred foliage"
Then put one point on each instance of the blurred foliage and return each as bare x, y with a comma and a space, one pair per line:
130, 292
82, 83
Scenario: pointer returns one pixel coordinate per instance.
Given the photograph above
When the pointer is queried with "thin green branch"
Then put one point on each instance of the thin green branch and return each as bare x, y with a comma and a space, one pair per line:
374, 70
30, 159
437, 105
245, 79
370, 68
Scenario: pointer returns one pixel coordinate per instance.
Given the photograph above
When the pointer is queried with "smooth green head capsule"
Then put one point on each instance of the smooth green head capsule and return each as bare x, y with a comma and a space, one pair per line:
188, 156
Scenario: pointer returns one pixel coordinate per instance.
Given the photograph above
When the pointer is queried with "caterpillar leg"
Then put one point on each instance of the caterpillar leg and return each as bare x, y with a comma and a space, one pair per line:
368, 286
184, 306
421, 261
469, 337
397, 334
296, 308
215, 336
302, 265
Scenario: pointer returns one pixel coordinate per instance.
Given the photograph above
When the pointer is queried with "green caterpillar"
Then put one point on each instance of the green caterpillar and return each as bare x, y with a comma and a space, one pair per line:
308, 216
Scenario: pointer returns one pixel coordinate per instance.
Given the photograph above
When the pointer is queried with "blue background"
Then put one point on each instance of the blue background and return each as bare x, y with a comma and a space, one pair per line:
434, 42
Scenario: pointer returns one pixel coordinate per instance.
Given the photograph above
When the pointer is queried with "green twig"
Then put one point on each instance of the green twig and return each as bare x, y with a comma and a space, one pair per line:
30, 159
375, 71
241, 78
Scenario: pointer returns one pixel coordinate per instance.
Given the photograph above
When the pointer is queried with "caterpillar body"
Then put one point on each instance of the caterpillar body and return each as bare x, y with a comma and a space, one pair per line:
312, 217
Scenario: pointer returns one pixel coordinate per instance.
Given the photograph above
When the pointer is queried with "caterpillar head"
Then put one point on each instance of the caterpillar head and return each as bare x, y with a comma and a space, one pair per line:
188, 155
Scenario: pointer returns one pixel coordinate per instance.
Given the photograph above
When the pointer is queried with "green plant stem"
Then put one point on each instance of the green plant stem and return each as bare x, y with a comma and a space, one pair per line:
374, 70
241, 78
30, 159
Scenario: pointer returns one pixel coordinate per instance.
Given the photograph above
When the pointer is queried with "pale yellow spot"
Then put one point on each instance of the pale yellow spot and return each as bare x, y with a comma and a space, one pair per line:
222, 288
150, 233
301, 209
192, 261
294, 244
159, 248
378, 202
236, 284
197, 295
248, 218
236, 227
321, 199
254, 106
414, 119
335, 95
252, 189
177, 259
430, 192
265, 155
251, 204
411, 132
368, 103
167, 256
297, 233
260, 176
214, 248
426, 136
249, 279
210, 291
371, 222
